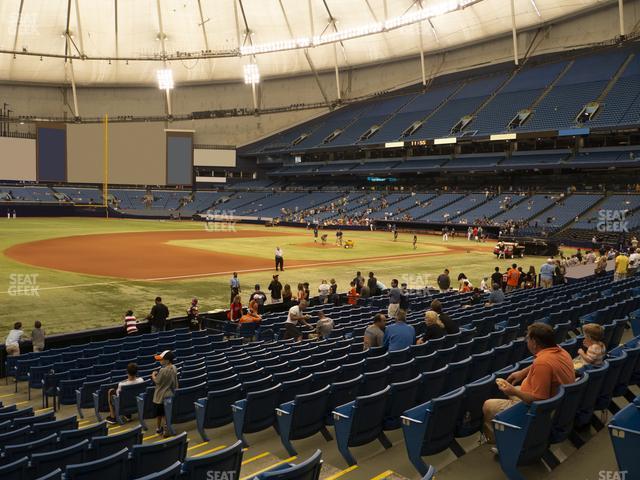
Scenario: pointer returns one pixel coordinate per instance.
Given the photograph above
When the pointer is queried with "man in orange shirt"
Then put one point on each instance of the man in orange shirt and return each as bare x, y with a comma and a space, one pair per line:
513, 278
552, 366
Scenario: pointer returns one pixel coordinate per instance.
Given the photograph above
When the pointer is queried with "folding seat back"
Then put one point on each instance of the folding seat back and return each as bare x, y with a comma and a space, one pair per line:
220, 370
402, 397
624, 431
67, 390
398, 356
618, 332
324, 377
480, 365
401, 372
519, 351
227, 460
72, 437
223, 383
510, 333
432, 384
303, 417
561, 330
101, 400
470, 418
147, 459
107, 445
22, 367
616, 359
627, 371
426, 363
481, 343
256, 412
467, 334
341, 393
35, 375
291, 388
501, 357
434, 345
46, 462
307, 470
14, 414
44, 429
522, 433
419, 350
352, 370
429, 427
334, 362
16, 470
299, 362
125, 402
374, 381
587, 406
179, 407
457, 375
360, 422
374, 364
566, 413
445, 356
451, 339
15, 436
215, 409
256, 374
258, 385
463, 350
16, 451
30, 420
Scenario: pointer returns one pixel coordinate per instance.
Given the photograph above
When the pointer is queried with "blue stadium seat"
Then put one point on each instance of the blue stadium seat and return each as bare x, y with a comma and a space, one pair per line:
426, 363
47, 462
107, 468
360, 422
102, 447
457, 374
470, 418
616, 360
373, 364
19, 413
172, 472
402, 396
15, 451
564, 417
30, 420
480, 365
373, 382
522, 433
307, 470
341, 393
432, 384
401, 372
146, 409
227, 460
429, 428
624, 430
214, 410
16, 470
303, 417
71, 437
256, 412
179, 407
630, 365
148, 459
43, 429
15, 436
84, 395
54, 475
125, 404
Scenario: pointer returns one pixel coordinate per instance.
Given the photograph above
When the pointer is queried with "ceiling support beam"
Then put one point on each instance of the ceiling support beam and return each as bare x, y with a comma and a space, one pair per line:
306, 51
621, 17
514, 32
80, 40
164, 55
337, 71
18, 21
247, 37
205, 37
422, 65
115, 26
69, 67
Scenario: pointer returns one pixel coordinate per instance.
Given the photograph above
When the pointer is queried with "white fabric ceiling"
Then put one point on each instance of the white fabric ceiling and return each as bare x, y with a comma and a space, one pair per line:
92, 24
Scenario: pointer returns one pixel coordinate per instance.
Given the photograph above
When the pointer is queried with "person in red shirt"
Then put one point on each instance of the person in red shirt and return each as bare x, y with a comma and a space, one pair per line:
352, 296
235, 310
513, 278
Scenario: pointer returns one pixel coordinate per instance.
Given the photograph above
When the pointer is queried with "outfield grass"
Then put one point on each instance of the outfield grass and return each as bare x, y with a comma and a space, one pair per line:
68, 301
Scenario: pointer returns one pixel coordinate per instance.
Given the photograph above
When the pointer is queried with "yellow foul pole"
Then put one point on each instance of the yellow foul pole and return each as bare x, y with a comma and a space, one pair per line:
105, 182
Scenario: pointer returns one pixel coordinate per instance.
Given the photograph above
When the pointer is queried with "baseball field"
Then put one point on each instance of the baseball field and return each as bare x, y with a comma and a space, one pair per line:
79, 273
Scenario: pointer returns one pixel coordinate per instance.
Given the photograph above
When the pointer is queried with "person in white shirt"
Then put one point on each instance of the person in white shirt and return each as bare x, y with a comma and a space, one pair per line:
634, 261
484, 284
12, 343
279, 259
295, 317
132, 379
323, 291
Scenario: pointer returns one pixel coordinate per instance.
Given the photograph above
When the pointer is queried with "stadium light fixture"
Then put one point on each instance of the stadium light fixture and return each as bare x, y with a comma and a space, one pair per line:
416, 16
165, 79
251, 74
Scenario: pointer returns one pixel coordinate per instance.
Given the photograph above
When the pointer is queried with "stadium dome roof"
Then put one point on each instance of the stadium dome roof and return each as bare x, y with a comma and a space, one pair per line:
127, 41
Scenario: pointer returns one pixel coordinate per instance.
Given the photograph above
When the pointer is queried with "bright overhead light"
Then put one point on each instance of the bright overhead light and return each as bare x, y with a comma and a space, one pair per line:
535, 7
251, 74
165, 79
416, 16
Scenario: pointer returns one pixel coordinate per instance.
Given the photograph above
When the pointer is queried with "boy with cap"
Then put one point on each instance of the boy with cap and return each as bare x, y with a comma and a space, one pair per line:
166, 382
